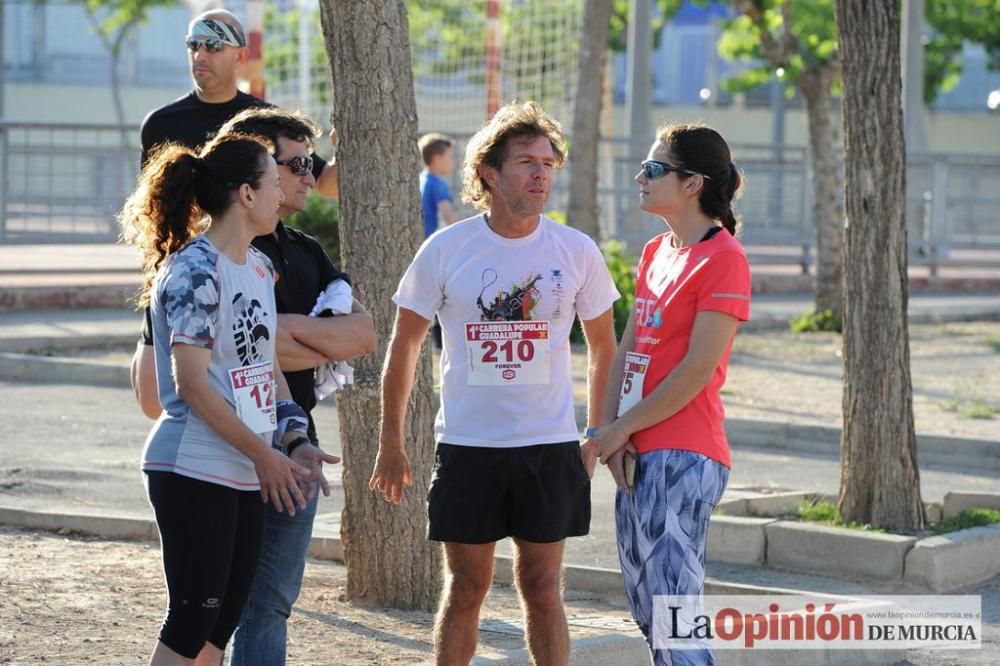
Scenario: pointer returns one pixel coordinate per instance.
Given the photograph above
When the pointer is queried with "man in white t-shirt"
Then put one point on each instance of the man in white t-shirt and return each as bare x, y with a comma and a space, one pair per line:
506, 286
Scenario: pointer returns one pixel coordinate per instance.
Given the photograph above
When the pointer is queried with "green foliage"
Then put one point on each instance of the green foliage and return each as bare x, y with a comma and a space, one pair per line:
826, 513
321, 219
557, 215
621, 265
975, 517
113, 20
968, 402
993, 342
817, 322
951, 23
663, 11
280, 53
814, 29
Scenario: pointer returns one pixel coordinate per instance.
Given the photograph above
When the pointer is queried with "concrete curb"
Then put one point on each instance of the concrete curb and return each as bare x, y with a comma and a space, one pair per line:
934, 449
596, 651
956, 502
836, 551
62, 370
115, 295
951, 561
111, 527
67, 343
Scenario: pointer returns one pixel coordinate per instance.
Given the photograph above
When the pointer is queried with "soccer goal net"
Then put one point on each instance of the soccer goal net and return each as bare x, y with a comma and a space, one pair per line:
468, 57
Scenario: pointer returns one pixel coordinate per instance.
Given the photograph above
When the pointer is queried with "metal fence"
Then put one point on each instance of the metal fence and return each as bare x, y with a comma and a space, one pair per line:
63, 183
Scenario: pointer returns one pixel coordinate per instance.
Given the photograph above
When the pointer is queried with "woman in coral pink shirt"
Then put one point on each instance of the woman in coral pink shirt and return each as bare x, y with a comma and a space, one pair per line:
664, 412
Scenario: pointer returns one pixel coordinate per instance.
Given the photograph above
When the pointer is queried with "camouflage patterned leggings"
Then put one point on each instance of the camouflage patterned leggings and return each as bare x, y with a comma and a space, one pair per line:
662, 528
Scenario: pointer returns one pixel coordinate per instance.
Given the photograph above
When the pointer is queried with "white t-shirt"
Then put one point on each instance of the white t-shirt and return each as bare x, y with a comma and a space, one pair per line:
506, 307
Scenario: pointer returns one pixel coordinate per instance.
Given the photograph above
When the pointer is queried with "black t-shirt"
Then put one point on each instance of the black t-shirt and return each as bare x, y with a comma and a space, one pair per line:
302, 270
192, 122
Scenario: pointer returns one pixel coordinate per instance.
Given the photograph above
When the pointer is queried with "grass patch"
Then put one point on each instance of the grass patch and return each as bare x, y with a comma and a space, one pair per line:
826, 513
993, 342
817, 322
975, 517
967, 402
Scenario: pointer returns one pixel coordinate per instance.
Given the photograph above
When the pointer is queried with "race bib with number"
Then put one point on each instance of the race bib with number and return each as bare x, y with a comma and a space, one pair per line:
635, 374
503, 353
253, 393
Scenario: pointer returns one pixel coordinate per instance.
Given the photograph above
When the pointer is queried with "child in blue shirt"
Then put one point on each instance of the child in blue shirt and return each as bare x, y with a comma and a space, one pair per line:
438, 153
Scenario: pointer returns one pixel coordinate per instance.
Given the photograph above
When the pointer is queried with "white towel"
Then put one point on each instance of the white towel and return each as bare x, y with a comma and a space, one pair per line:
332, 375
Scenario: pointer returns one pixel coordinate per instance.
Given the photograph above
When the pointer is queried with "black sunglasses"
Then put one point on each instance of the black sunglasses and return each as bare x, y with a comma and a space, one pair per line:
299, 165
652, 170
210, 45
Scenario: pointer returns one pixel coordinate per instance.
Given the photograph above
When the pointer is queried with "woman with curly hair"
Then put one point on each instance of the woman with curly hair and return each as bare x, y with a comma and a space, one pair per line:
209, 456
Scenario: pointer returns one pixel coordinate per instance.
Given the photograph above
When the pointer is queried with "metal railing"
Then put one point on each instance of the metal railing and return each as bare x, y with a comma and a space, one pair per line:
63, 183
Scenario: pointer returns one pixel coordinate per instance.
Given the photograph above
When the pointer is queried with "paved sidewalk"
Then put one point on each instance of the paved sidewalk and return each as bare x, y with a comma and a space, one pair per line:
80, 327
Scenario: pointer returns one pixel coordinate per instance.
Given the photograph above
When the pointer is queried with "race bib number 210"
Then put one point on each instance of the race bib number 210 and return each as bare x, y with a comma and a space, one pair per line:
508, 352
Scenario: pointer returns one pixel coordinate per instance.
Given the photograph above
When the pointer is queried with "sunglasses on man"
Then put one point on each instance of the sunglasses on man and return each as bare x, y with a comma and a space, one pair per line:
652, 170
299, 165
211, 45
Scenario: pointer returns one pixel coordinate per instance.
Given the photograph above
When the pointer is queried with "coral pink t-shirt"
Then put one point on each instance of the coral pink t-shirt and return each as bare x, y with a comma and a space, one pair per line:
672, 286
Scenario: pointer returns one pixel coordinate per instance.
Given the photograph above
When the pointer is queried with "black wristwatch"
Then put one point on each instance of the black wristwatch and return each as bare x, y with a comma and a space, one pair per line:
296, 443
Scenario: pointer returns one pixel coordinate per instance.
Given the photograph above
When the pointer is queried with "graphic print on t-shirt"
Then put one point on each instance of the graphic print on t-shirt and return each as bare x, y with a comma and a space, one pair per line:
249, 328
508, 353
513, 305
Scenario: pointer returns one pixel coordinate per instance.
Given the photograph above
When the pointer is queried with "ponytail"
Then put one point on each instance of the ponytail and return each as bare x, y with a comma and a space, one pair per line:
178, 189
162, 215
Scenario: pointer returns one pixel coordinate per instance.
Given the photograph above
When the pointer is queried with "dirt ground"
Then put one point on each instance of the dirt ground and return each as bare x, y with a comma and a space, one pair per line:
68, 599
783, 376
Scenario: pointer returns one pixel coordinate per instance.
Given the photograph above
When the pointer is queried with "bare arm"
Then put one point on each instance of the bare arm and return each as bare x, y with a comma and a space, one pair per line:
392, 467
710, 336
600, 335
337, 338
328, 184
293, 355
275, 471
143, 375
612, 396
446, 213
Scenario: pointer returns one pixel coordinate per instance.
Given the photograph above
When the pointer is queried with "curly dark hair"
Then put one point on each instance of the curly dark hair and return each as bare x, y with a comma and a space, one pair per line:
178, 189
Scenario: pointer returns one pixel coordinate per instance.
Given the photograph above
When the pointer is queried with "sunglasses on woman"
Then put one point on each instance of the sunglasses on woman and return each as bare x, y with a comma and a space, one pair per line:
652, 170
299, 165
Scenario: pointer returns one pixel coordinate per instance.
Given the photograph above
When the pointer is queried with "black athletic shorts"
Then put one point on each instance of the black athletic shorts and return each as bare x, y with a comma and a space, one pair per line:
482, 494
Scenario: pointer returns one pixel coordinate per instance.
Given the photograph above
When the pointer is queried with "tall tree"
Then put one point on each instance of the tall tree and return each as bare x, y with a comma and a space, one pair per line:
879, 479
389, 561
582, 212
799, 37
114, 22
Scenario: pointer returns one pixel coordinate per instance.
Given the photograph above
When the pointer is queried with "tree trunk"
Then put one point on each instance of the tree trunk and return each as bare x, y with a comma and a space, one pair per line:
582, 212
389, 561
828, 211
879, 479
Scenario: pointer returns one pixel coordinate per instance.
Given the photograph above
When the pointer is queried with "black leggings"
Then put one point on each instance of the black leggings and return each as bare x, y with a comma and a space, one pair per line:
210, 537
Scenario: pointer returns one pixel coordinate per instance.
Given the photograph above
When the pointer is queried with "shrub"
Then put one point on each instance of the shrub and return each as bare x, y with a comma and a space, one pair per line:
975, 517
817, 322
621, 266
320, 219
